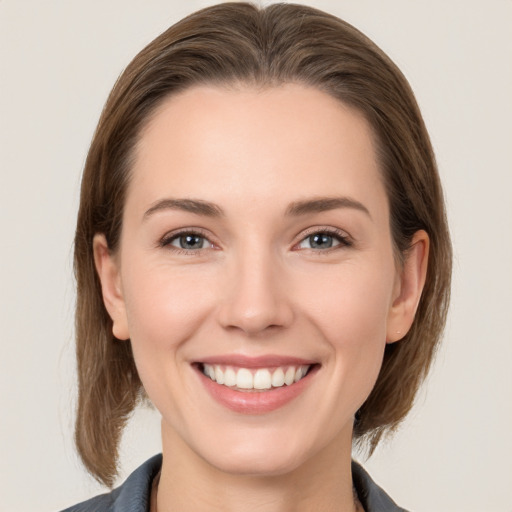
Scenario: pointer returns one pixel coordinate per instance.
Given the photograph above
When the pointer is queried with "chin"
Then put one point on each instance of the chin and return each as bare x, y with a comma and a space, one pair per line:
248, 462
258, 451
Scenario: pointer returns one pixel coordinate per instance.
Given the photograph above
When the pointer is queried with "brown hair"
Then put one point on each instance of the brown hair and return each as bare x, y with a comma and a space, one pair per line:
241, 43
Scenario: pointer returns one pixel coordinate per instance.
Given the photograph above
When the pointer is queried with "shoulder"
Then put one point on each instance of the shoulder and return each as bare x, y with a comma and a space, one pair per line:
132, 496
371, 496
101, 503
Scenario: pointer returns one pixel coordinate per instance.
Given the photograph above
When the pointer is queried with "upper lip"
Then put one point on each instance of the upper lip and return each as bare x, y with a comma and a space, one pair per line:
264, 361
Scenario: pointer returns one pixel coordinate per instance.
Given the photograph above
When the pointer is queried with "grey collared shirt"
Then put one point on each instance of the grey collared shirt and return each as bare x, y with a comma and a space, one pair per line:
134, 494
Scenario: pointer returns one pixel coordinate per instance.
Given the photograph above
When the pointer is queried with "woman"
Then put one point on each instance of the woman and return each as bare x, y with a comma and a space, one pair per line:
262, 253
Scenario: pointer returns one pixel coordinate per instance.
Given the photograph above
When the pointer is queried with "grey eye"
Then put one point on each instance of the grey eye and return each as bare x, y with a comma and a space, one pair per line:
189, 241
319, 241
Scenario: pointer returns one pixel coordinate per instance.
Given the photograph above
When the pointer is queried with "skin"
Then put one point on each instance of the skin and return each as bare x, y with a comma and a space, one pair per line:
258, 287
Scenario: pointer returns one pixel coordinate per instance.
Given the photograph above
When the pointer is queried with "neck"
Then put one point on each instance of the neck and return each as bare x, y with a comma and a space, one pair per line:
189, 483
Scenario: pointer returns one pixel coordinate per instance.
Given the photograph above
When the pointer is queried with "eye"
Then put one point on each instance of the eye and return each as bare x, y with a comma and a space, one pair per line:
188, 241
324, 240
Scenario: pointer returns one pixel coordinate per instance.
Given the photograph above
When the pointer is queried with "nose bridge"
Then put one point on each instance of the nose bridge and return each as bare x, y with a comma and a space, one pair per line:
256, 299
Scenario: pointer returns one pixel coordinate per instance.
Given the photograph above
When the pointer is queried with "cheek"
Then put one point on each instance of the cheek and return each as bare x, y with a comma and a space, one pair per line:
351, 315
163, 307
352, 305
164, 311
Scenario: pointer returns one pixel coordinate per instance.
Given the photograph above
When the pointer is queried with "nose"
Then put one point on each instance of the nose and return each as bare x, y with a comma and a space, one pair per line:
256, 299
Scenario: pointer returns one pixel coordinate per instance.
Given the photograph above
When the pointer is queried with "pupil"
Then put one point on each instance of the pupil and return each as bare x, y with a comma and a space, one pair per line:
320, 240
191, 242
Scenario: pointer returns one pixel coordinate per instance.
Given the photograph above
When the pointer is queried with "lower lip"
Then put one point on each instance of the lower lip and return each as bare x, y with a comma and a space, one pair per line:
256, 402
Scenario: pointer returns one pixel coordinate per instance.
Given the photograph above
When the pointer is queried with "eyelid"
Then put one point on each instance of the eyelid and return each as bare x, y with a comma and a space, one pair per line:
345, 239
165, 241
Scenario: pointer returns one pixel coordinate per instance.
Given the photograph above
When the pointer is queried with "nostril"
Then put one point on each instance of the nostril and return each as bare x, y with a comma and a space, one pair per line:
267, 318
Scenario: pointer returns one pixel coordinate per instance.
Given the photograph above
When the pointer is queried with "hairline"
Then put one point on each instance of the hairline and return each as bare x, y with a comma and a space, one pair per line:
259, 85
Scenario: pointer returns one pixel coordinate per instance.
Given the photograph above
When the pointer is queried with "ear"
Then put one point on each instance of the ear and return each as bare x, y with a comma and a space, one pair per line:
408, 288
107, 266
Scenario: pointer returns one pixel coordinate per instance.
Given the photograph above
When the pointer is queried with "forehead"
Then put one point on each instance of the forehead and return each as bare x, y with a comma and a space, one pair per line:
258, 144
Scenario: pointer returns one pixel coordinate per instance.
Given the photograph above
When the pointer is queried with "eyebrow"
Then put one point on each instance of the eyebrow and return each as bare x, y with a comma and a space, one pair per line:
196, 206
323, 204
295, 209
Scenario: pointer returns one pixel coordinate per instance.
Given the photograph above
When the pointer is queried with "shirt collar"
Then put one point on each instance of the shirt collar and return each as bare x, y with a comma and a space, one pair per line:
134, 494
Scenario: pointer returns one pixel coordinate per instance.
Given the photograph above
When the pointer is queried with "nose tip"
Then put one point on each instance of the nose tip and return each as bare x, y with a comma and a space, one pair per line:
256, 303
253, 321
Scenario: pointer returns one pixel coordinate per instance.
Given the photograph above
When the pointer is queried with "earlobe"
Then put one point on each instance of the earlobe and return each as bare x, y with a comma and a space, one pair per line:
409, 288
107, 267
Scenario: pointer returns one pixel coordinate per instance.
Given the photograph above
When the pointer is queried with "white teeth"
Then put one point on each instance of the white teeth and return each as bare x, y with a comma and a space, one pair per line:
301, 371
262, 378
244, 379
289, 376
219, 375
230, 377
278, 378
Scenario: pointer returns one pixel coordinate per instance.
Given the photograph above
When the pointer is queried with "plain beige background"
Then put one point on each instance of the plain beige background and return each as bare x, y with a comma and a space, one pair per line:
58, 61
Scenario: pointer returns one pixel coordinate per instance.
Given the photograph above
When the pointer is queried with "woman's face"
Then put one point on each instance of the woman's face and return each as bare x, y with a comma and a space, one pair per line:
255, 248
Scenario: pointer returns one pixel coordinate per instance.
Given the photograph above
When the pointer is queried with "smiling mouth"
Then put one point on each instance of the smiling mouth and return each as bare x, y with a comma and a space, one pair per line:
255, 380
256, 385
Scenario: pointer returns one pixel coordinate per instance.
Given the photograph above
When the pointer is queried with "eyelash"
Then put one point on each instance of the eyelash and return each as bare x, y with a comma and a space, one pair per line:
344, 240
167, 240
